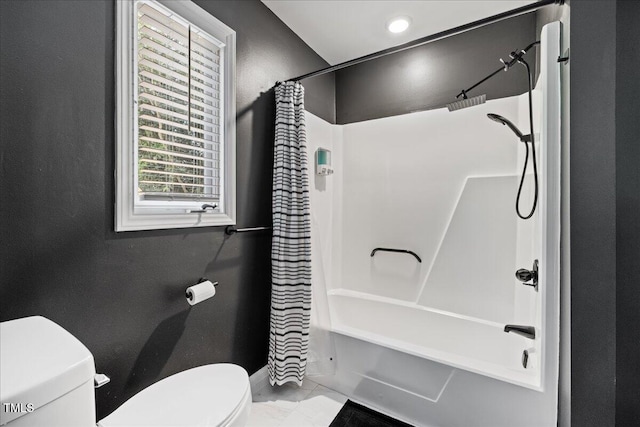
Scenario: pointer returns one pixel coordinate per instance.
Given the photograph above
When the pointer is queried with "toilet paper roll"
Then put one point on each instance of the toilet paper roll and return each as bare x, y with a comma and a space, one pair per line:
200, 292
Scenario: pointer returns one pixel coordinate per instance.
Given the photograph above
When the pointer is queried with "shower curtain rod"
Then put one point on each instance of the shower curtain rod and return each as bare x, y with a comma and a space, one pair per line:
437, 36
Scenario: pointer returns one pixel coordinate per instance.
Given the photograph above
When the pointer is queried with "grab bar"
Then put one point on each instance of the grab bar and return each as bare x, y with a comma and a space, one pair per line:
402, 251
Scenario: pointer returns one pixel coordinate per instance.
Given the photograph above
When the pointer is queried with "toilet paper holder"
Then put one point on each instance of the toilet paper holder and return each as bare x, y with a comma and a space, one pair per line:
200, 291
200, 280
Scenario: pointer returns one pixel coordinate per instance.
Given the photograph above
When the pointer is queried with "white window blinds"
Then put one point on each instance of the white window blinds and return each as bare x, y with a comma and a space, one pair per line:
179, 108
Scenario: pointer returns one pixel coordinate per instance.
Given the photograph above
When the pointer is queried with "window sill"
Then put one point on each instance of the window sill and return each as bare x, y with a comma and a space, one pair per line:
136, 222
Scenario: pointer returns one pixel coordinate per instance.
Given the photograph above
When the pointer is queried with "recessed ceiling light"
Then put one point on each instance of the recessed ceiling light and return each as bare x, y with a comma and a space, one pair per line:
398, 25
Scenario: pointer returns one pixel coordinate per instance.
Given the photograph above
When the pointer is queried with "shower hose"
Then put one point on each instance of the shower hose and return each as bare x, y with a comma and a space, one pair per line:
533, 153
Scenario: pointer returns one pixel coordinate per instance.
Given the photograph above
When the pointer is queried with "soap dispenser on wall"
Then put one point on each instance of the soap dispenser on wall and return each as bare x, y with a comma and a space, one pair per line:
323, 162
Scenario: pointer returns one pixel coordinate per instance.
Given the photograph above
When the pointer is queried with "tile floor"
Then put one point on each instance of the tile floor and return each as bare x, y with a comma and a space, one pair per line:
311, 405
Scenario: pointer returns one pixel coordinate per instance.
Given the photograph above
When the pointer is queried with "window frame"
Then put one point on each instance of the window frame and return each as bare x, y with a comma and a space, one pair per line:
129, 214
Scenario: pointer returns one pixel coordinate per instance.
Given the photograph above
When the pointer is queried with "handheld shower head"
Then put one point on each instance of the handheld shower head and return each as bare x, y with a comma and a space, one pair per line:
500, 119
525, 139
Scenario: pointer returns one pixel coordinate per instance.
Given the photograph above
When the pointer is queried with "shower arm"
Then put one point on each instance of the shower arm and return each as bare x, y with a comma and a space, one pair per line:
515, 56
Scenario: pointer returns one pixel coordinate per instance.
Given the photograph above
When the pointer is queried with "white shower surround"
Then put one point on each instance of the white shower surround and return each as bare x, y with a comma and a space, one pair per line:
424, 341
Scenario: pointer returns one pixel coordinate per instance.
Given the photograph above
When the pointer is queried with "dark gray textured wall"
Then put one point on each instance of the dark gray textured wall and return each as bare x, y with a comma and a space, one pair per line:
430, 76
268, 51
627, 213
605, 201
122, 294
593, 213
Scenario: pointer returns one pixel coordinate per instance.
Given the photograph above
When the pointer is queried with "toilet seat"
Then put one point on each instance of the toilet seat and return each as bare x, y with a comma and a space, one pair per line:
210, 395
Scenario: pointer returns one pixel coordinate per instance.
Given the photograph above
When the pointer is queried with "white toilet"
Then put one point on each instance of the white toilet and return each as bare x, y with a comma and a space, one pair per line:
47, 379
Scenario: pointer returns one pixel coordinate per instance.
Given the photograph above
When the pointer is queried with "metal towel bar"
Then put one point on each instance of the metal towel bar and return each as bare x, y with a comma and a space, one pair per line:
232, 229
402, 251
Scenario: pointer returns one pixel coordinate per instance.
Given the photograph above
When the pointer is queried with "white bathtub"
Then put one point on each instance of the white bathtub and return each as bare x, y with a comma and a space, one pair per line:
431, 368
463, 342
430, 387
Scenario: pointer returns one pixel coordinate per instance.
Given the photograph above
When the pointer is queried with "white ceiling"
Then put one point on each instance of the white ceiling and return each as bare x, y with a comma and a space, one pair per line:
340, 30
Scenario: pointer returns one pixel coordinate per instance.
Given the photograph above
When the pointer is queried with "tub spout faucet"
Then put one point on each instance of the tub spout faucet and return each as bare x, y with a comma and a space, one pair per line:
525, 331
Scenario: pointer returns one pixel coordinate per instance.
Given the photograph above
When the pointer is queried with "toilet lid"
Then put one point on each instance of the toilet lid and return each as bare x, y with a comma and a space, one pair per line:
203, 396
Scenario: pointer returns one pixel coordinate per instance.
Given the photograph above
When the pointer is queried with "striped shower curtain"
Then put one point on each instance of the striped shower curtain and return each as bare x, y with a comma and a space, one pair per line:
291, 244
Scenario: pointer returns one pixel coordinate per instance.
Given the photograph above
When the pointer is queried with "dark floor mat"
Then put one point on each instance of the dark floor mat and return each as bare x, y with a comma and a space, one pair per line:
354, 415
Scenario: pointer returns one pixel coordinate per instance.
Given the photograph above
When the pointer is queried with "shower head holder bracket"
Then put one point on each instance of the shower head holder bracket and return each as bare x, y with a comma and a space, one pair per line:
526, 138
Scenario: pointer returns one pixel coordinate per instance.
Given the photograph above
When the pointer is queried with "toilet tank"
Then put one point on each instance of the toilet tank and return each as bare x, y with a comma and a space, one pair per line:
46, 376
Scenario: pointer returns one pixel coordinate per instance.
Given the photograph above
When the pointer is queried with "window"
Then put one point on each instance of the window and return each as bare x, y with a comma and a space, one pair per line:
175, 119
